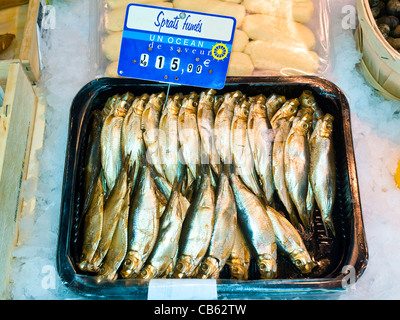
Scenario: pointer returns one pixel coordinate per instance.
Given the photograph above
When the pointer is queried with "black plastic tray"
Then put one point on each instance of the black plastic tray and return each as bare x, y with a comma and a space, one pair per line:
342, 260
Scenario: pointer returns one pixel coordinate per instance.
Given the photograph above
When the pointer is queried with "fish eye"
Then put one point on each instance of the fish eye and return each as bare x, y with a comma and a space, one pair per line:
179, 266
204, 267
194, 104
305, 126
128, 262
298, 262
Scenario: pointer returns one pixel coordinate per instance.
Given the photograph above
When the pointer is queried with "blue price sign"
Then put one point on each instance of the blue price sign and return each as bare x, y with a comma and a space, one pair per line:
176, 46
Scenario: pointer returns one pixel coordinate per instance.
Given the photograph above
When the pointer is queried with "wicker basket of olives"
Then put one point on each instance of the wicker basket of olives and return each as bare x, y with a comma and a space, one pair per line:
378, 39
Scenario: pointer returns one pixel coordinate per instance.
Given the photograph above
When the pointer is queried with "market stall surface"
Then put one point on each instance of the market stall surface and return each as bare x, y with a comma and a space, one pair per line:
376, 134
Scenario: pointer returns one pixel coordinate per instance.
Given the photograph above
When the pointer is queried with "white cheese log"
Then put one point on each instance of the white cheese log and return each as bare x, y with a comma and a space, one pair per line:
299, 11
112, 45
124, 3
240, 65
275, 56
214, 7
269, 28
240, 41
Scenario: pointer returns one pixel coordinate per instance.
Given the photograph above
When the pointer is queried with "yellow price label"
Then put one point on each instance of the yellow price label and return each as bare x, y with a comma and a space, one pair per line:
397, 175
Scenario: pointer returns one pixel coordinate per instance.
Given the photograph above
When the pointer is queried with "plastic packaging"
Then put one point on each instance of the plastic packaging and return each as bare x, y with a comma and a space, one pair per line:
335, 256
273, 37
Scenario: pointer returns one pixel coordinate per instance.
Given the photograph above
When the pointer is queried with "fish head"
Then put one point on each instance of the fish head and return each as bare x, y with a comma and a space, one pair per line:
174, 104
261, 99
238, 270
141, 104
258, 99
158, 101
191, 102
288, 110
232, 99
208, 267
106, 274
310, 103
113, 105
280, 100
83, 264
86, 264
303, 124
183, 267
305, 110
184, 101
124, 104
275, 100
218, 100
259, 107
303, 261
110, 104
208, 97
133, 106
242, 110
236, 95
326, 127
150, 101
267, 267
272, 98
228, 96
90, 267
308, 100
131, 265
148, 272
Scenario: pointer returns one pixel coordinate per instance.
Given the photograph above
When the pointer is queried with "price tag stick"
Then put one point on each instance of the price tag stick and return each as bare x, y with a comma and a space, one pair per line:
167, 95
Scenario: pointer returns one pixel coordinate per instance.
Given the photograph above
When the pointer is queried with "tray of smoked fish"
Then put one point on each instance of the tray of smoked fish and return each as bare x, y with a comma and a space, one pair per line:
254, 185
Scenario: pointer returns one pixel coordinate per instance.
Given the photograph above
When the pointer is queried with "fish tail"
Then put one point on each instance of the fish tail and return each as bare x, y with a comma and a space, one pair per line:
305, 219
132, 175
227, 169
99, 117
178, 182
202, 169
328, 225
